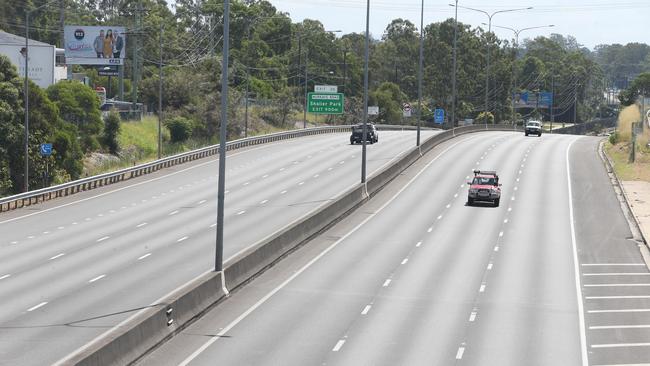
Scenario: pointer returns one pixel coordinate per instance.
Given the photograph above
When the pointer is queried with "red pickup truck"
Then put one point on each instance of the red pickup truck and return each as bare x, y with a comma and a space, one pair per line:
484, 187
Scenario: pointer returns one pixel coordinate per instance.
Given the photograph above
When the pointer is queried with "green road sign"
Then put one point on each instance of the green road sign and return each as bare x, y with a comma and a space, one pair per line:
325, 103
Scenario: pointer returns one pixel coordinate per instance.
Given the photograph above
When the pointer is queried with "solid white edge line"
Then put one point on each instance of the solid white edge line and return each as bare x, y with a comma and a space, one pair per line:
103, 238
54, 257
338, 345
613, 264
182, 239
5, 276
144, 256
604, 327
618, 274
618, 345
617, 297
581, 312
246, 313
618, 311
37, 306
97, 278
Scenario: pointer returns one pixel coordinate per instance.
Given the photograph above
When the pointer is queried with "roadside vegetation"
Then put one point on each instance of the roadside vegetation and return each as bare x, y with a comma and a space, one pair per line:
619, 145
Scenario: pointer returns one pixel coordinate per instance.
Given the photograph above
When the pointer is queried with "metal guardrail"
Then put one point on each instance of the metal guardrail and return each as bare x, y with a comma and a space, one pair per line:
86, 184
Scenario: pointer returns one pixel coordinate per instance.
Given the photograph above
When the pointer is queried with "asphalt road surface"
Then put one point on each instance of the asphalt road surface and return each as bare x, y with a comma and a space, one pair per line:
417, 277
72, 268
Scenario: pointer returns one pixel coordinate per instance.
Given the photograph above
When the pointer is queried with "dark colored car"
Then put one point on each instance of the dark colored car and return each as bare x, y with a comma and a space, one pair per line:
484, 187
357, 134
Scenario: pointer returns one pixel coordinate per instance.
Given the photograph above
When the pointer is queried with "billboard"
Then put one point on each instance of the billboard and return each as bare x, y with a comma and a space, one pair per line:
529, 100
94, 45
41, 62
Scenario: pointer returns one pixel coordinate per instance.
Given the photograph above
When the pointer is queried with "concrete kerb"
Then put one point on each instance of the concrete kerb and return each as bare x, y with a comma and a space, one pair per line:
142, 332
635, 225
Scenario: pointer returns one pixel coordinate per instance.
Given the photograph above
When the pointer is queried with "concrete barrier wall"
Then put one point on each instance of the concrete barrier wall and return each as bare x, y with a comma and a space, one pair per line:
135, 336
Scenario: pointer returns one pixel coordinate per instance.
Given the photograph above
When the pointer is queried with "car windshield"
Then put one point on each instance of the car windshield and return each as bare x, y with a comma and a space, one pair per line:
484, 181
533, 124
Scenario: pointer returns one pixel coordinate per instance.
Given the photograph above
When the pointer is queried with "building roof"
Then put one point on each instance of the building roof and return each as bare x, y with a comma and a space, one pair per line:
8, 38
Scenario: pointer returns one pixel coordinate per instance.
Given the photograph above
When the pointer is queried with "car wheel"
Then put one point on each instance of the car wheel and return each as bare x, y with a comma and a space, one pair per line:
496, 202
526, 133
470, 201
539, 134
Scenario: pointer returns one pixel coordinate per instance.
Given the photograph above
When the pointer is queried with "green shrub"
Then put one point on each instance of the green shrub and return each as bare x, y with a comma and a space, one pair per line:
111, 132
614, 138
180, 129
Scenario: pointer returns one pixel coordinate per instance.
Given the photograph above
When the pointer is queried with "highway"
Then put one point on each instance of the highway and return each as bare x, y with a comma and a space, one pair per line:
417, 277
72, 268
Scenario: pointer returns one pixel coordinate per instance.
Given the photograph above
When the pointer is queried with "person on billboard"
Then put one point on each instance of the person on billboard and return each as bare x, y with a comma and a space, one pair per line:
108, 44
118, 43
98, 44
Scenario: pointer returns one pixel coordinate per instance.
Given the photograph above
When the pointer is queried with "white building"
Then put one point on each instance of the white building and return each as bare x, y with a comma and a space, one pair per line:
43, 67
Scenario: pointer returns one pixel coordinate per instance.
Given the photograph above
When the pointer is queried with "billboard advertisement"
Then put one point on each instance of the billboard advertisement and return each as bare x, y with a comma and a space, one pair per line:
529, 100
41, 62
94, 45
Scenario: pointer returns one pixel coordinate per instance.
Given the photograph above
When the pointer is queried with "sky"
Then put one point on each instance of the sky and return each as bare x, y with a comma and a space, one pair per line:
591, 22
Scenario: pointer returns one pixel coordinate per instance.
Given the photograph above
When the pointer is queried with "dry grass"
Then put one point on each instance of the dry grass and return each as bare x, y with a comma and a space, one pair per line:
620, 153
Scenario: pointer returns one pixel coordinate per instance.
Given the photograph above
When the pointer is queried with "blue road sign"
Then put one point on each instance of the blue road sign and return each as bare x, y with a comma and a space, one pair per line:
439, 115
46, 149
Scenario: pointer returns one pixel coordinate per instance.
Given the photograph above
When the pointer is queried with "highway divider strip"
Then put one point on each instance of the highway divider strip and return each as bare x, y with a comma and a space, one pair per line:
131, 339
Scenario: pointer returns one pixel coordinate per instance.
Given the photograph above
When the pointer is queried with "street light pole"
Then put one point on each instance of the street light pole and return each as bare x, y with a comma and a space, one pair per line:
218, 263
417, 140
304, 113
453, 77
487, 72
365, 96
160, 94
26, 90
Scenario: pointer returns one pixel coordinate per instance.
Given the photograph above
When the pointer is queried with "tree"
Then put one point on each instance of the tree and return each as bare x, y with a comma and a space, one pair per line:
79, 106
180, 129
389, 98
111, 132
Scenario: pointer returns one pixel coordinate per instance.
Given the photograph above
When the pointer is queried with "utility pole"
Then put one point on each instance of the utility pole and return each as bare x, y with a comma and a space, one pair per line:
575, 103
453, 78
26, 97
552, 101
62, 22
304, 113
160, 94
136, 55
365, 95
246, 113
420, 66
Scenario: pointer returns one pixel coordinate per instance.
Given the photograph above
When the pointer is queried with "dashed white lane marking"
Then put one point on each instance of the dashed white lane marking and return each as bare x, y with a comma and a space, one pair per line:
226, 192
173, 213
405, 260
60, 227
618, 311
247, 183
472, 316
617, 345
213, 225
509, 209
505, 221
14, 242
5, 276
74, 223
46, 232
439, 217
489, 266
618, 285
182, 239
617, 297
462, 185
283, 192
496, 248
338, 345
612, 264
618, 274
316, 175
500, 233
97, 278
241, 212
103, 238
516, 188
113, 211
342, 162
141, 225
330, 169
31, 237
301, 183
282, 169
517, 179
265, 176
448, 205
482, 288
263, 202
386, 283
636, 326
429, 230
100, 215
56, 256
459, 354
418, 244
37, 306
144, 256
513, 198
366, 310
456, 195
202, 202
